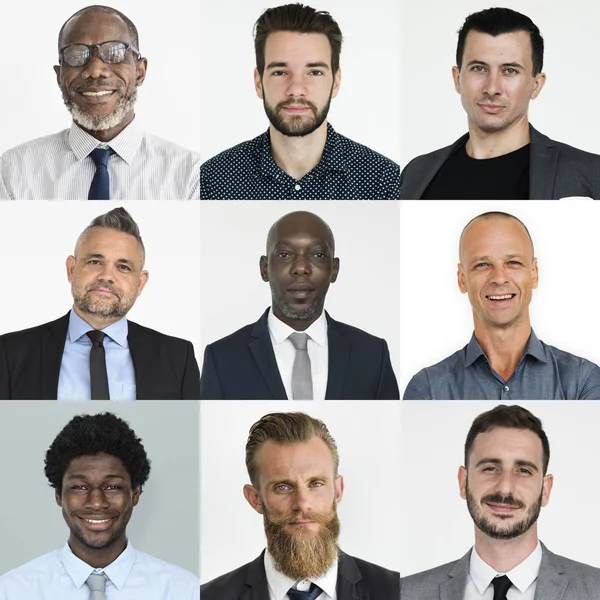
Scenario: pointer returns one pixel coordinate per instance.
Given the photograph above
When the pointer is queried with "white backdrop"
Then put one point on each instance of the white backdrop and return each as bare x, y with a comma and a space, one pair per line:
436, 319
432, 115
36, 238
435, 524
167, 103
367, 436
368, 106
366, 294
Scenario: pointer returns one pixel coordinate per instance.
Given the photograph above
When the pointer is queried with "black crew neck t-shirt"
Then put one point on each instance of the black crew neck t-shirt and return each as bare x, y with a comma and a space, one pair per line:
461, 177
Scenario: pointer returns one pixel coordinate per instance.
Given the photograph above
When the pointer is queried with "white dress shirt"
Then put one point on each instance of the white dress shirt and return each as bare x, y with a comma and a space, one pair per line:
523, 577
60, 575
318, 352
58, 167
279, 584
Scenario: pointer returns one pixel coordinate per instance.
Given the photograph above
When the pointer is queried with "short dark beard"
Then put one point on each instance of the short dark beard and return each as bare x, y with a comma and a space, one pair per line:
303, 554
493, 531
300, 313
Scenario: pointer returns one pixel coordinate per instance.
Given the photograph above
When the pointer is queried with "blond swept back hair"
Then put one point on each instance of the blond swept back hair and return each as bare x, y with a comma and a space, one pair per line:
285, 429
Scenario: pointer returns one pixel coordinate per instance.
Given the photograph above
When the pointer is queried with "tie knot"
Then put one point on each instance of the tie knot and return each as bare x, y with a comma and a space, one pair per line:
100, 156
312, 594
96, 336
97, 583
299, 340
501, 586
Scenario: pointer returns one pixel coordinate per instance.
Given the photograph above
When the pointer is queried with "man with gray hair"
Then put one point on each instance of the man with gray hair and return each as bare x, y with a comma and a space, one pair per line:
105, 154
296, 350
94, 352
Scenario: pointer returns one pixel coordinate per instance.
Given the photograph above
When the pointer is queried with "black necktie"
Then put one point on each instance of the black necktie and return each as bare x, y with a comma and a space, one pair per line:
312, 594
100, 188
501, 586
98, 375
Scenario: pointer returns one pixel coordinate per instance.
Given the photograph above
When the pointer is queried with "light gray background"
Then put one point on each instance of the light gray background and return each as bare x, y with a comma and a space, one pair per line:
167, 103
436, 319
432, 115
165, 523
367, 435
368, 106
366, 294
435, 524
36, 238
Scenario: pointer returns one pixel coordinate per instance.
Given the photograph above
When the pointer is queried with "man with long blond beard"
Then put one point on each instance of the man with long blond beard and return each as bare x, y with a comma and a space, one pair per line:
292, 461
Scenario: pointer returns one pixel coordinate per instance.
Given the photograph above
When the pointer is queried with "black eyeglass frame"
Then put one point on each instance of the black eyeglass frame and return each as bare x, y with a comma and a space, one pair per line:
90, 47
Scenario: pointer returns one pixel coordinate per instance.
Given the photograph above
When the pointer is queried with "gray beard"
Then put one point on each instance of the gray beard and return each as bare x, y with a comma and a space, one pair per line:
115, 118
302, 313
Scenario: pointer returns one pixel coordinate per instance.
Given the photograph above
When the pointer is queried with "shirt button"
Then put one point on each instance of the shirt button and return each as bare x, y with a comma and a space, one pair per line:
297, 187
506, 388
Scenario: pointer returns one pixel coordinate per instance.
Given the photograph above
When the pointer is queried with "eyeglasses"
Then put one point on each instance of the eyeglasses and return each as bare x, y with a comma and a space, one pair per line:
112, 53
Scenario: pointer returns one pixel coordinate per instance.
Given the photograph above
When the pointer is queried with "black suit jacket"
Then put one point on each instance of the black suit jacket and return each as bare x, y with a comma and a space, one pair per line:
165, 367
242, 366
357, 580
556, 170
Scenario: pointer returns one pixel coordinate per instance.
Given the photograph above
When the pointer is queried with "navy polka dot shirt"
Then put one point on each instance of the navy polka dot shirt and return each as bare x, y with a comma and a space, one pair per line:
347, 171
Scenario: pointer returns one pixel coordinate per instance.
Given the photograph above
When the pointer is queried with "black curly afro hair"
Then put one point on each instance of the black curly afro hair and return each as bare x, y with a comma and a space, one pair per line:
86, 435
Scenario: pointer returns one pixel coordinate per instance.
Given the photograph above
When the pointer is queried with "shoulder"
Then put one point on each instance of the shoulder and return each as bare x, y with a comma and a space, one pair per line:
424, 160
445, 367
244, 154
161, 570
569, 155
355, 151
41, 145
27, 576
354, 333
157, 145
584, 577
233, 340
226, 586
376, 573
420, 582
155, 337
571, 362
24, 335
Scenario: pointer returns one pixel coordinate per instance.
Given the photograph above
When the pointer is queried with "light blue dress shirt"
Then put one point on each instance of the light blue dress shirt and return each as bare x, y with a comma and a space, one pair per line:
134, 575
74, 377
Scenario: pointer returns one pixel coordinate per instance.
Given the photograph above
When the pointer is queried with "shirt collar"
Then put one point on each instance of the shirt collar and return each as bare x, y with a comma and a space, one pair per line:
522, 576
77, 329
280, 331
280, 583
117, 571
534, 348
125, 144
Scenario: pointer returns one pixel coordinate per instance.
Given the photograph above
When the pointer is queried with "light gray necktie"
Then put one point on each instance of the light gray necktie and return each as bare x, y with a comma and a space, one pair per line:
97, 585
302, 386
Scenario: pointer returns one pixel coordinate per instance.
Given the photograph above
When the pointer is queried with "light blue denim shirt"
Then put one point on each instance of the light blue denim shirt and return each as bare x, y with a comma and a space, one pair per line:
74, 377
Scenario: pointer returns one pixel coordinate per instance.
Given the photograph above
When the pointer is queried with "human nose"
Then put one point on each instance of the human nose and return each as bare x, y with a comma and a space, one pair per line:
96, 499
107, 273
301, 501
296, 85
499, 275
506, 483
301, 265
95, 68
493, 84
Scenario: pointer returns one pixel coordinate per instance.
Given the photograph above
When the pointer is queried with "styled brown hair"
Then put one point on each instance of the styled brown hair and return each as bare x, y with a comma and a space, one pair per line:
513, 417
301, 18
285, 429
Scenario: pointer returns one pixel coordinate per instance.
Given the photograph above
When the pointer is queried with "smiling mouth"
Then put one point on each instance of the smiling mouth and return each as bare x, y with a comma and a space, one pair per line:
500, 297
102, 93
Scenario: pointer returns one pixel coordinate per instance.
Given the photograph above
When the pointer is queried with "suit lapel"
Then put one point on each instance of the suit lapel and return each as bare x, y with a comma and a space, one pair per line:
544, 158
52, 348
339, 357
262, 351
551, 582
454, 588
348, 585
256, 580
142, 361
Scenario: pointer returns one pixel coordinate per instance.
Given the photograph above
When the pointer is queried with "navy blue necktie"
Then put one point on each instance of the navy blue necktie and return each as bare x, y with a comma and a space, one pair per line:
312, 594
100, 188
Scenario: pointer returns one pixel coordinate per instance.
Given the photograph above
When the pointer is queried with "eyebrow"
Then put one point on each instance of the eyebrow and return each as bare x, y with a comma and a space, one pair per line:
84, 477
292, 484
99, 255
481, 62
310, 65
497, 461
478, 259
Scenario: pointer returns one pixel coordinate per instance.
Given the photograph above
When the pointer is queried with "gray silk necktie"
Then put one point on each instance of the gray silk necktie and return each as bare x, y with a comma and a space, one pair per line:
501, 587
302, 385
97, 585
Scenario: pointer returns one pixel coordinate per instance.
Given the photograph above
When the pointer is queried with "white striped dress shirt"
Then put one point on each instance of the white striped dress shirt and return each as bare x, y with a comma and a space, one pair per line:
58, 167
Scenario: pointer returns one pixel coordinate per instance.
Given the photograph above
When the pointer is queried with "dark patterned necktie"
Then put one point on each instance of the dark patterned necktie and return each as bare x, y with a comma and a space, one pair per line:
98, 374
100, 188
501, 586
312, 594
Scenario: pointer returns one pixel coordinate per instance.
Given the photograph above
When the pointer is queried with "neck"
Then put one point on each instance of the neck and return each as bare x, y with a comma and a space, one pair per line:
300, 154
483, 144
97, 322
98, 557
504, 555
108, 134
504, 347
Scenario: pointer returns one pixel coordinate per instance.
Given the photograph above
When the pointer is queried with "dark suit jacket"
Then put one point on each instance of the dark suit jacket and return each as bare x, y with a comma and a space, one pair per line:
555, 170
242, 366
357, 580
165, 367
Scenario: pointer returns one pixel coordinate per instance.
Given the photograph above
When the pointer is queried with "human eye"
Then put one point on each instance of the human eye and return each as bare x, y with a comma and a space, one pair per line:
113, 487
316, 72
489, 469
481, 265
277, 73
478, 69
93, 261
283, 254
79, 487
515, 263
317, 484
123, 267
282, 488
511, 71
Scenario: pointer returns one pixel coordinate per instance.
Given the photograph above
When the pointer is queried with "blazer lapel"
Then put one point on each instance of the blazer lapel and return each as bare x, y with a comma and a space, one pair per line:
52, 348
542, 168
256, 580
551, 582
454, 588
339, 357
143, 365
348, 581
262, 351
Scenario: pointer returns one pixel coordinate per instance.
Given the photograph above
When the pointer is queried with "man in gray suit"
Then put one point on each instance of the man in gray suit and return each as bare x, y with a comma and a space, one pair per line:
505, 483
499, 60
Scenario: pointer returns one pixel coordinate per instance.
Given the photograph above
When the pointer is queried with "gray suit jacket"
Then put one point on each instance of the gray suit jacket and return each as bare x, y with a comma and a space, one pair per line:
559, 579
556, 170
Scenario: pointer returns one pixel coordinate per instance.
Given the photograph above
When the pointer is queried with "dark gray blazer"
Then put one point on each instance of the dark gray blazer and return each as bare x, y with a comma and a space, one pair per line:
357, 580
559, 579
556, 170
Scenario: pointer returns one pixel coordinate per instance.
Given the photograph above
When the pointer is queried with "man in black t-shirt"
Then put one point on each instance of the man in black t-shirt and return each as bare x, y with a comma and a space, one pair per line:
499, 60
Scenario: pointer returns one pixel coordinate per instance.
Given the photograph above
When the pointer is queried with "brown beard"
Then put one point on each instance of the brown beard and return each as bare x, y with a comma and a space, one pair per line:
302, 554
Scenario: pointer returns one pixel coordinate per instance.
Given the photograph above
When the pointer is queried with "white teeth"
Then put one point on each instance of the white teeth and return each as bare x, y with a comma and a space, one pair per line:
97, 520
103, 93
505, 297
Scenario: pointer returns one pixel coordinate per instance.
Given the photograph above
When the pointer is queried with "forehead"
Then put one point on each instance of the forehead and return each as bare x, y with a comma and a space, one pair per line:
95, 27
507, 444
496, 236
290, 461
110, 243
300, 229
297, 47
499, 49
96, 466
